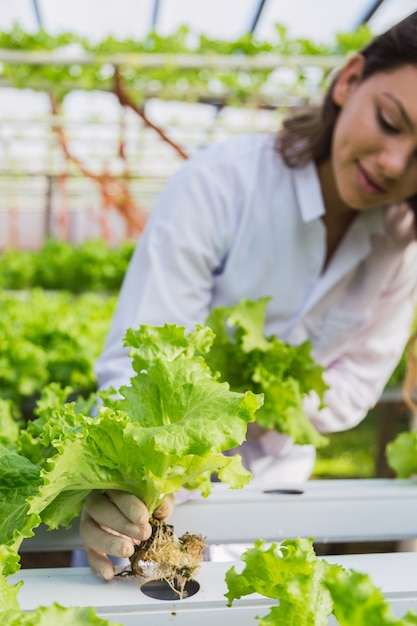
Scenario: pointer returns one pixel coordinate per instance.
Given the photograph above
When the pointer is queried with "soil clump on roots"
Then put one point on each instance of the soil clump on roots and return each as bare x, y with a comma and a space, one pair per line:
164, 556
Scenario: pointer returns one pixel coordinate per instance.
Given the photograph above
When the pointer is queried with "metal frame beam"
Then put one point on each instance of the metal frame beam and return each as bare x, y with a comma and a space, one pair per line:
155, 13
257, 15
37, 11
370, 12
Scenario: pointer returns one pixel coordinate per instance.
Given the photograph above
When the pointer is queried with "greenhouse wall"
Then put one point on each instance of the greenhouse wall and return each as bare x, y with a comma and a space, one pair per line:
43, 192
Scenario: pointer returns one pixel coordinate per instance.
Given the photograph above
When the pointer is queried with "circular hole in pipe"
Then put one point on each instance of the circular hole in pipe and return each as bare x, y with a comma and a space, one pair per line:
160, 590
285, 492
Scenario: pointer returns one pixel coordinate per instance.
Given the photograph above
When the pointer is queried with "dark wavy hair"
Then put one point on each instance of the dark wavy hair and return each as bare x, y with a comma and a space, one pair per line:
307, 134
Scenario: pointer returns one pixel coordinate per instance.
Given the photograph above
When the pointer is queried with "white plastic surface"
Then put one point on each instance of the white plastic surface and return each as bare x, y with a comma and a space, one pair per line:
328, 510
336, 510
122, 600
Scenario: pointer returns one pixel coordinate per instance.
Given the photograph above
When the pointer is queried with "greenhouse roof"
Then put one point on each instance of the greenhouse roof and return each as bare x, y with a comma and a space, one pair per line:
318, 20
80, 107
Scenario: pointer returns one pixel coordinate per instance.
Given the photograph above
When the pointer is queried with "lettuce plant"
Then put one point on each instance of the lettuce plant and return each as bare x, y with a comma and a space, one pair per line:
309, 589
284, 373
165, 431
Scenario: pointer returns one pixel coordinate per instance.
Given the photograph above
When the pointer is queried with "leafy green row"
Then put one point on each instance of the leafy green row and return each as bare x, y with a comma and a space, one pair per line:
90, 266
49, 336
169, 81
181, 42
56, 337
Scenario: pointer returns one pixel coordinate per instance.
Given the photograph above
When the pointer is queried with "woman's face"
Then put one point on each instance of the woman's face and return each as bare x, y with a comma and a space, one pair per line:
374, 148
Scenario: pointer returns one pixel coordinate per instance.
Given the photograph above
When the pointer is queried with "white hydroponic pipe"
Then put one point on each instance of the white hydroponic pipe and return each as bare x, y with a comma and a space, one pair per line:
123, 601
328, 510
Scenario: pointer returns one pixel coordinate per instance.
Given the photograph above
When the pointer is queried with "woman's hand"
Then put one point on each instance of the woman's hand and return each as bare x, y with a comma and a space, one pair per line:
112, 523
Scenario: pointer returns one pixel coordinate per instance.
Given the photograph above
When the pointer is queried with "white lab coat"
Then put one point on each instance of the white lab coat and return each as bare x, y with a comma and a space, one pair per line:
234, 222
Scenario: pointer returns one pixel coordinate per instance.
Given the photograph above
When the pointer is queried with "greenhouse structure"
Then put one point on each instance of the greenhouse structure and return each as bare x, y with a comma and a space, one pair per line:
208, 298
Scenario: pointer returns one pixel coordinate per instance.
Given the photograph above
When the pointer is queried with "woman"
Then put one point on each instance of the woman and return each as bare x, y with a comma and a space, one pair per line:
322, 219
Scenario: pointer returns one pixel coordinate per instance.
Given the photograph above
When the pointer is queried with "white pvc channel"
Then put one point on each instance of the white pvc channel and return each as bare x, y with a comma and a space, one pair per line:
328, 510
122, 600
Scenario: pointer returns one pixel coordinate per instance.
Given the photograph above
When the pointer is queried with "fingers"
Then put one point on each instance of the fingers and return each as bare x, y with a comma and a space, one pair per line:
119, 511
112, 523
97, 538
98, 542
134, 513
100, 564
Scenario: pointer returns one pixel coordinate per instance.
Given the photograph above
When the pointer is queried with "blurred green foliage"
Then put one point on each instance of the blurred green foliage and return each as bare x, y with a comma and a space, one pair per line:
168, 80
50, 337
352, 453
356, 453
89, 266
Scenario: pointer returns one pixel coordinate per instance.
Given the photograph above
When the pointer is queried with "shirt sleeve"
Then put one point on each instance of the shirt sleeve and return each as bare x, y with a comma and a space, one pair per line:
170, 276
358, 376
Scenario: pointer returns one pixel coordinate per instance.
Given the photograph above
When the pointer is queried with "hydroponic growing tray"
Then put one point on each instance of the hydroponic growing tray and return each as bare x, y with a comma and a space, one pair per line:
123, 601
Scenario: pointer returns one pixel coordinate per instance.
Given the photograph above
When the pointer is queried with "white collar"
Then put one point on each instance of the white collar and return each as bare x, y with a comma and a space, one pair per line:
308, 192
310, 201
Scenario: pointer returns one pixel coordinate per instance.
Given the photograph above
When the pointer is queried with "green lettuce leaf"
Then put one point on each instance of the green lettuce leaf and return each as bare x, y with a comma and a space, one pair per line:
309, 589
358, 601
285, 374
9, 564
9, 426
290, 573
19, 480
